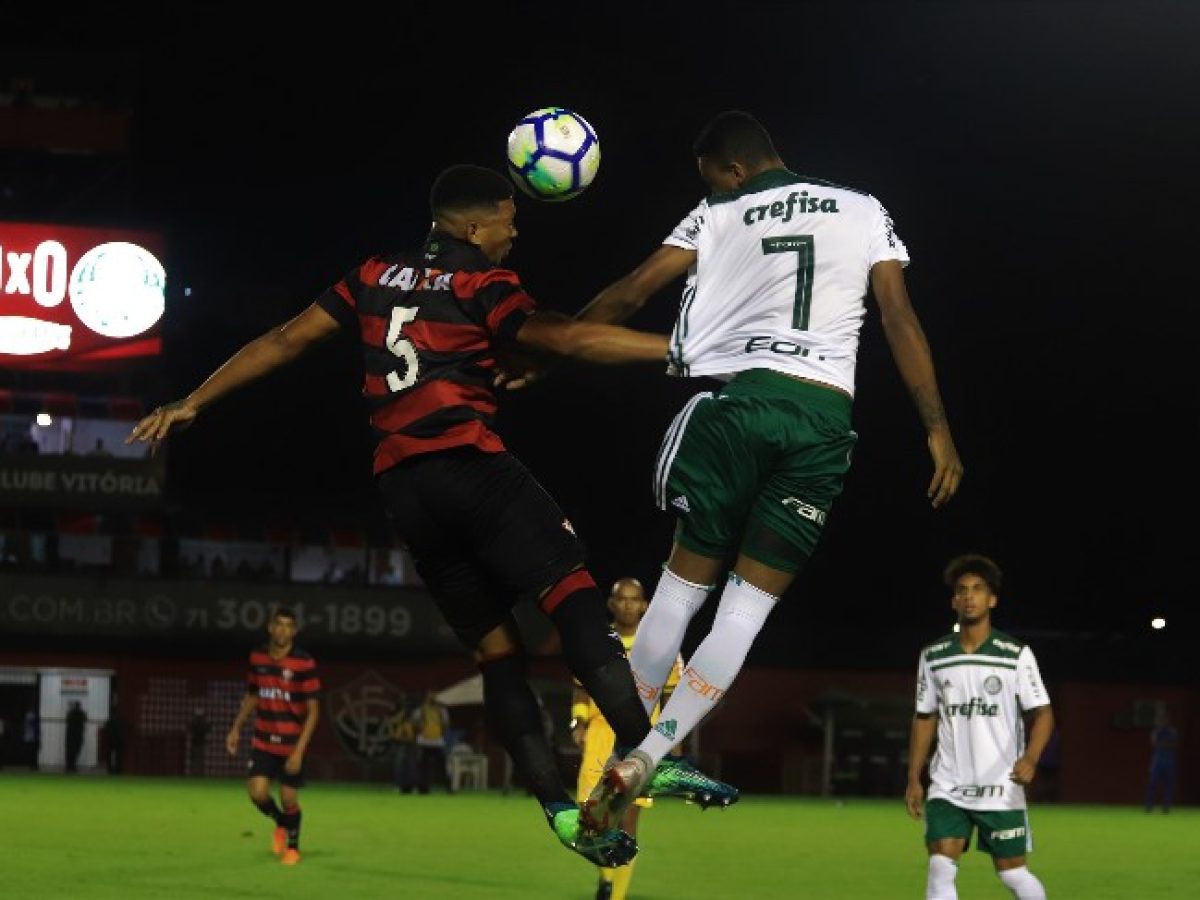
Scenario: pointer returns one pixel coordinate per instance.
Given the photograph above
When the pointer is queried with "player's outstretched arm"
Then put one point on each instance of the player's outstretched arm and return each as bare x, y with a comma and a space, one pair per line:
913, 358
593, 342
624, 297
278, 347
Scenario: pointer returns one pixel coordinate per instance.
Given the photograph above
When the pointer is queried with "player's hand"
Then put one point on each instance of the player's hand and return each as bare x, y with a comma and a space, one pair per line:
514, 381
914, 799
165, 419
1023, 771
947, 467
231, 742
518, 367
294, 761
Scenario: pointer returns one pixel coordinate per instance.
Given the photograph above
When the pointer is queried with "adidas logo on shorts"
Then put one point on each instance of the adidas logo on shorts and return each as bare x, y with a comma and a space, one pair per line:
681, 504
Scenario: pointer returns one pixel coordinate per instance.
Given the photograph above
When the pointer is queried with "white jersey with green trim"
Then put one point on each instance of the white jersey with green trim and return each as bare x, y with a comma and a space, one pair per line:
780, 280
980, 699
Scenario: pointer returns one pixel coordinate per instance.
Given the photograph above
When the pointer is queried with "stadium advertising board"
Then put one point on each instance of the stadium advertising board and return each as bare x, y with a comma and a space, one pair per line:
202, 612
79, 299
77, 482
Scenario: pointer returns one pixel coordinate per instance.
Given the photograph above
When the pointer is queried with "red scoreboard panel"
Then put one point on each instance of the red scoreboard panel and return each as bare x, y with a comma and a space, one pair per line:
79, 299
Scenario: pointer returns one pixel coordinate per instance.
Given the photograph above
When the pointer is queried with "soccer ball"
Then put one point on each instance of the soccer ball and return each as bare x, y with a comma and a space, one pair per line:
553, 154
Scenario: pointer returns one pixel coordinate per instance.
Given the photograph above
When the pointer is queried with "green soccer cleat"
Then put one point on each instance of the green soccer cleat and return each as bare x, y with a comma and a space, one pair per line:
675, 776
610, 847
626, 779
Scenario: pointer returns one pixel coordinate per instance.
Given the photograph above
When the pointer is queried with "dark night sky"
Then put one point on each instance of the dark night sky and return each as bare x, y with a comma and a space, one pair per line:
1038, 160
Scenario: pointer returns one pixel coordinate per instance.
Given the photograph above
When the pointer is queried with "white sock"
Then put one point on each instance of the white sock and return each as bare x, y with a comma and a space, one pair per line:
711, 670
660, 633
1023, 883
942, 872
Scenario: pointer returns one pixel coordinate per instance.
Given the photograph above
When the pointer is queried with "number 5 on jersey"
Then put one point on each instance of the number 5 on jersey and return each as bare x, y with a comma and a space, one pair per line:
403, 348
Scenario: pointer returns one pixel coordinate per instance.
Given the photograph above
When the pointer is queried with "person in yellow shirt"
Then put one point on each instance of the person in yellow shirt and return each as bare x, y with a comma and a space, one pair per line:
404, 745
594, 736
431, 721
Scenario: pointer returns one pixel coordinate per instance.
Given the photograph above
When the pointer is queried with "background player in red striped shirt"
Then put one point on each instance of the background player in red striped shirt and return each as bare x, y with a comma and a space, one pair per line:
282, 689
431, 323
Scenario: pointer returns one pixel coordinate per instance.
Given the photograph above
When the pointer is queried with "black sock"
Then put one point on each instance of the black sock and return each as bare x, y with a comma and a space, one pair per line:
270, 809
513, 712
596, 656
290, 819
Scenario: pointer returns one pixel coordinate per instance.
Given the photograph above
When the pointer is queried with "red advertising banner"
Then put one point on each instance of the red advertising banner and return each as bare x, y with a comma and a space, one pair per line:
79, 299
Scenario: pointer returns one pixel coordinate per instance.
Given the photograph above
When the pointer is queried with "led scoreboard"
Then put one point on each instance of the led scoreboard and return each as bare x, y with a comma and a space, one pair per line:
79, 298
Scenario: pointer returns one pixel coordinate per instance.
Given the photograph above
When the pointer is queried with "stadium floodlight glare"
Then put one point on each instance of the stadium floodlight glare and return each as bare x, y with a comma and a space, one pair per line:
1158, 623
44, 420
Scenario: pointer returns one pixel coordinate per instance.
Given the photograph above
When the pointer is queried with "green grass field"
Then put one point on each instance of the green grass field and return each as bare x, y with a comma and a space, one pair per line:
102, 837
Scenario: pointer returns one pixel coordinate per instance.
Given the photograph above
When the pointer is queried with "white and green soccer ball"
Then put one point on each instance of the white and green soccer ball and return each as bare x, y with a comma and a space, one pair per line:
553, 154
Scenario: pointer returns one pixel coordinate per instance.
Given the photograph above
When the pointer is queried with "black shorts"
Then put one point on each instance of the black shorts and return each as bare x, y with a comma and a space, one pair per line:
482, 532
271, 766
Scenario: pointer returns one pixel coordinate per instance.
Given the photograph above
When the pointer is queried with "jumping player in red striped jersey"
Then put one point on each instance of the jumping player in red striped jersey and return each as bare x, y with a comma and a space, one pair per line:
282, 689
431, 324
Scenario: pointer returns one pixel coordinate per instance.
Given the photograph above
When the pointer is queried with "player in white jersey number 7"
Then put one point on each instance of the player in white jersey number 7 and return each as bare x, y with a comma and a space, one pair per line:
778, 268
974, 689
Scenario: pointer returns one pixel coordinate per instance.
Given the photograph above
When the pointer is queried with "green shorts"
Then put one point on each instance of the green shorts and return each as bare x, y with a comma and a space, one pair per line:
755, 467
1003, 833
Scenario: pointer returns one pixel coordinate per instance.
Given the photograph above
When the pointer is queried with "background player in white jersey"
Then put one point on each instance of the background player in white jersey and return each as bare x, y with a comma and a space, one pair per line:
974, 689
778, 269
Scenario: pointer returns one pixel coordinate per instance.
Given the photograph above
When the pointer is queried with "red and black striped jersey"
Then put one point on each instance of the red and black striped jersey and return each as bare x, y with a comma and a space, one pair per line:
282, 688
429, 322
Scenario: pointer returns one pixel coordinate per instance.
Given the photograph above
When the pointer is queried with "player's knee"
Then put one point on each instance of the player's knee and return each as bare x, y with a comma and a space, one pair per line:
501, 641
1023, 883
745, 606
570, 587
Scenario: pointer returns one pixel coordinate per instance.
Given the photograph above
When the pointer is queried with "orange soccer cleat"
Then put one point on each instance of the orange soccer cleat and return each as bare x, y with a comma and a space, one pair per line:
279, 840
290, 857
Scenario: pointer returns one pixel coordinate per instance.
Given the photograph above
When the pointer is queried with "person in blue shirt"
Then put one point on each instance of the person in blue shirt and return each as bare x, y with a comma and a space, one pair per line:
1164, 767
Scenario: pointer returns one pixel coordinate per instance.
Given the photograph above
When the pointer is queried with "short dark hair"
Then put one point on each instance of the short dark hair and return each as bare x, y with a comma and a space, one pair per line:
973, 564
463, 187
735, 136
283, 612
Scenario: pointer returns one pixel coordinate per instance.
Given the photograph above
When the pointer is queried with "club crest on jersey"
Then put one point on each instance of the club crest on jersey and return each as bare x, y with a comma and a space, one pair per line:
992, 684
287, 674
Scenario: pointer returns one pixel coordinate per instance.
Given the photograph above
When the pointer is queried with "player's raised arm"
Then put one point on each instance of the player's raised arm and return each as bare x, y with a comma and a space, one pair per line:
913, 358
627, 295
278, 347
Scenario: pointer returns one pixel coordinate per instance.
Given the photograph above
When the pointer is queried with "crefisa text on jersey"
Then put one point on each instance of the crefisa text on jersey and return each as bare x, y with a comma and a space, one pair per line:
785, 209
976, 706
